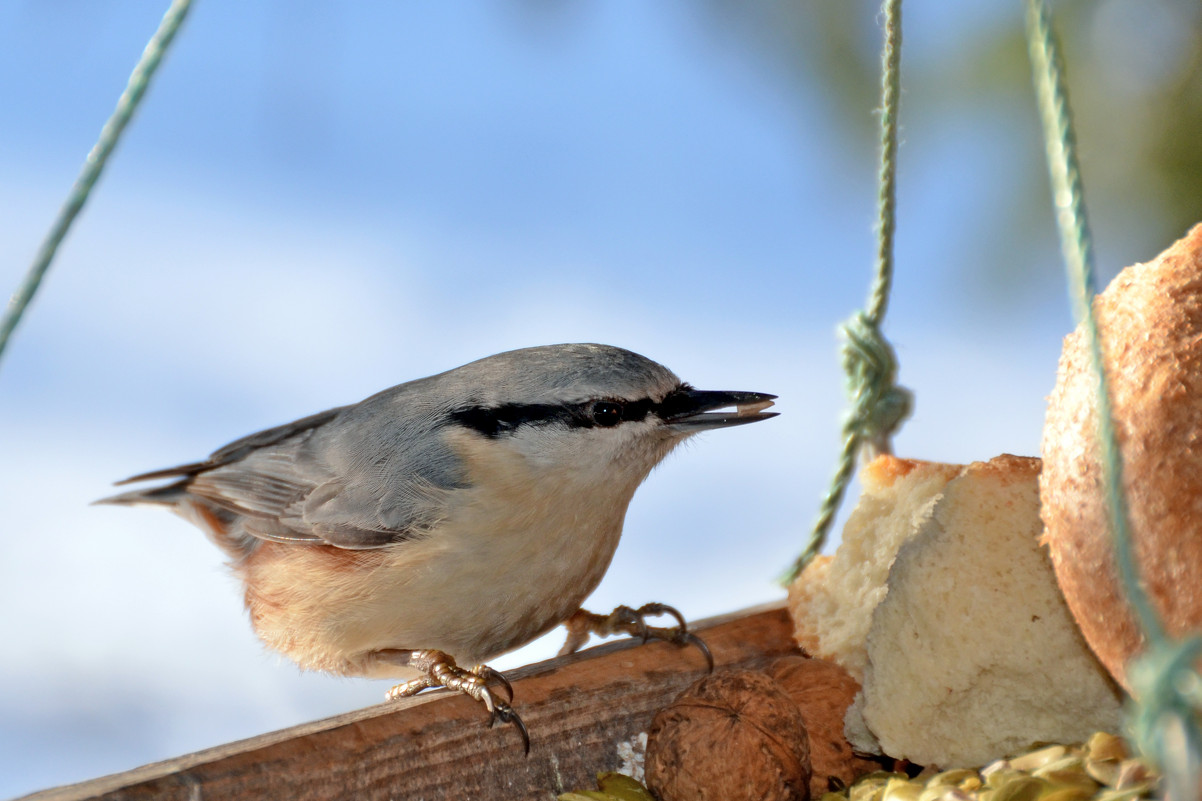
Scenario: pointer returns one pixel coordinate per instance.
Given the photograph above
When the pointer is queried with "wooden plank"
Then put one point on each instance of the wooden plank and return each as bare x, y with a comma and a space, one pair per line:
578, 709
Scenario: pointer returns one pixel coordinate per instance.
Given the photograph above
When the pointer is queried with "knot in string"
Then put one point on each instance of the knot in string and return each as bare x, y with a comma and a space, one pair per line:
878, 405
1165, 723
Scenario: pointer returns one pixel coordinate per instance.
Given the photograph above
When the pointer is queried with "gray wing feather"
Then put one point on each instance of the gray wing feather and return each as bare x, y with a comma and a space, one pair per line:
358, 477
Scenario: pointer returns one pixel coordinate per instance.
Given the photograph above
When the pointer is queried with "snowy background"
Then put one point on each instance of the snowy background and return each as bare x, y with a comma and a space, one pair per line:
318, 201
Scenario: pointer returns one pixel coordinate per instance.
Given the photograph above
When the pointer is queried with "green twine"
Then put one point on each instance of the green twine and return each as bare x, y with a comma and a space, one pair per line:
110, 134
878, 297
1164, 722
878, 406
1164, 725
1077, 247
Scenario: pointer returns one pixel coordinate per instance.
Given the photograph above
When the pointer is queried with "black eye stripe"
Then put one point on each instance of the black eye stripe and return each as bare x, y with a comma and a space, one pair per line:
637, 410
495, 421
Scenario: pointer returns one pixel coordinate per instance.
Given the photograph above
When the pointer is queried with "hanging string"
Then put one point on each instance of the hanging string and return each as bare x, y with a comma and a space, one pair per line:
110, 134
1165, 723
878, 405
1076, 245
886, 199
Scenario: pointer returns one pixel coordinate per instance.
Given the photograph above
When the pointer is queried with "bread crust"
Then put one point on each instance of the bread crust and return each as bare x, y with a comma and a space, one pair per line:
1150, 319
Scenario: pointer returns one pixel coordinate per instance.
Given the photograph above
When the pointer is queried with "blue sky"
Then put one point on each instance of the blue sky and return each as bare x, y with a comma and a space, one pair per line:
318, 201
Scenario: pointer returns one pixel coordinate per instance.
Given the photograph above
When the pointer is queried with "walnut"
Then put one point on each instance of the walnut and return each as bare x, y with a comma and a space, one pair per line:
823, 691
734, 735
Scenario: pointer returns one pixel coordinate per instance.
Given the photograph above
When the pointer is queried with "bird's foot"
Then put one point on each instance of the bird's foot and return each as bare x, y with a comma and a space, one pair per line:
625, 620
439, 670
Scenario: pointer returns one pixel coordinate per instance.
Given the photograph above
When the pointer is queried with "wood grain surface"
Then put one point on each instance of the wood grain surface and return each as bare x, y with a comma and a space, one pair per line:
578, 708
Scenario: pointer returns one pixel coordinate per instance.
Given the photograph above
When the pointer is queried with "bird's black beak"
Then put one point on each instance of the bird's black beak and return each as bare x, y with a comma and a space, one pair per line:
689, 410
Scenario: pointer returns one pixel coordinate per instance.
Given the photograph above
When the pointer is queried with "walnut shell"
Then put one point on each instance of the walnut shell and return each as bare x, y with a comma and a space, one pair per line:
730, 736
1150, 319
823, 691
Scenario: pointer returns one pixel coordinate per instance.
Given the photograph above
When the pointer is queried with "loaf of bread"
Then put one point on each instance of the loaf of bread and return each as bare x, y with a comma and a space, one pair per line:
1150, 320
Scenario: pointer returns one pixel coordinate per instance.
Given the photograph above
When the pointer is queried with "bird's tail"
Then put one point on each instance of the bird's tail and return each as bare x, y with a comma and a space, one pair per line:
168, 495
218, 523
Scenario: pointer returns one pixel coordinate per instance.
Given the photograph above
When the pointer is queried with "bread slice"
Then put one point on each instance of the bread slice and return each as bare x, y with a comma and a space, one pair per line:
832, 600
972, 654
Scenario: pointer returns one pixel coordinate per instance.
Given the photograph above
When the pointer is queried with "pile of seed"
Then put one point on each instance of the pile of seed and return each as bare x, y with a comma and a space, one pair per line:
1100, 770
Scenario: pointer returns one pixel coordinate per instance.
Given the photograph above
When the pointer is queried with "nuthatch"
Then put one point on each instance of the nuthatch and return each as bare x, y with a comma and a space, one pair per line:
447, 520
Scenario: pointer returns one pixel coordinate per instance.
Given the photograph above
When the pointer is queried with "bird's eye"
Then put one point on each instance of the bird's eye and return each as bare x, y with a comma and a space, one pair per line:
607, 413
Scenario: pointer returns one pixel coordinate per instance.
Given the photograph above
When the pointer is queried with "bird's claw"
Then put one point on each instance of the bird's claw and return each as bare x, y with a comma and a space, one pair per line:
487, 675
504, 713
654, 609
625, 620
439, 670
412, 687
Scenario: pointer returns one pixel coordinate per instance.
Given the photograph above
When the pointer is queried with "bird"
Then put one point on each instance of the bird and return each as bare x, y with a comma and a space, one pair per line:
438, 524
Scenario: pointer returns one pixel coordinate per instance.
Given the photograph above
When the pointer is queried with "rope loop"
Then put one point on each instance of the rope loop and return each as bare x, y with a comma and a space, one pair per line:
878, 405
